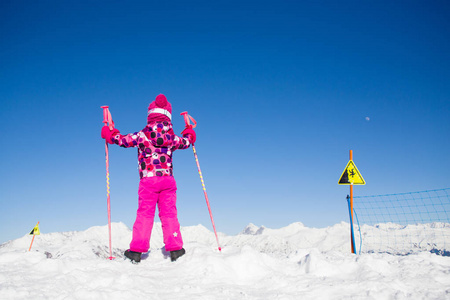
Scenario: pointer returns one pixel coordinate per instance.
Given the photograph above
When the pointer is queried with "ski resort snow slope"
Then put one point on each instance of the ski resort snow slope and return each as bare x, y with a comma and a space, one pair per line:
294, 262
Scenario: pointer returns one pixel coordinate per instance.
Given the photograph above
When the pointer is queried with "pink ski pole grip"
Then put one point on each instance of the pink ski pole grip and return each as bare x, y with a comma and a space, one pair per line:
107, 118
105, 114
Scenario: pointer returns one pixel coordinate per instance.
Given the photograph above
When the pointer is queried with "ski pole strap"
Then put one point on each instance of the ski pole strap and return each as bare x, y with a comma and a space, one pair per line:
188, 119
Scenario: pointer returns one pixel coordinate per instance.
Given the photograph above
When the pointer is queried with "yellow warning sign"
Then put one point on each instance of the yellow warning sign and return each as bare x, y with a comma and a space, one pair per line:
351, 175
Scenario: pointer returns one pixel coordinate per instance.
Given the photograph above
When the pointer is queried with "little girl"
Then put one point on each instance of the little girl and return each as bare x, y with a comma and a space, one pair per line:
155, 143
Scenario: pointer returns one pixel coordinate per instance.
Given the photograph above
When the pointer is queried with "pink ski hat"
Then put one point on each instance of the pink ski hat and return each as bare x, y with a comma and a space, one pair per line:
159, 110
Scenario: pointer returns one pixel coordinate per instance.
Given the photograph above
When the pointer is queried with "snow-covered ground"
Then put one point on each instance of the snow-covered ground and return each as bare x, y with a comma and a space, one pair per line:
294, 262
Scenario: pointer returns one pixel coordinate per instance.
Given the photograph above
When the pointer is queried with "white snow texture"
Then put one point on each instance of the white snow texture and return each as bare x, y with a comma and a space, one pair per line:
294, 262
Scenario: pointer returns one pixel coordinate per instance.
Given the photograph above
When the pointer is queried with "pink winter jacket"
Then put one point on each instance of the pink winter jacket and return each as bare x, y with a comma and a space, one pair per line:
156, 143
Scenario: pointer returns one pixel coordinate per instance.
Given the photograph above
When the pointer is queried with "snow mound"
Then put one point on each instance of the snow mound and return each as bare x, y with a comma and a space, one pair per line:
294, 262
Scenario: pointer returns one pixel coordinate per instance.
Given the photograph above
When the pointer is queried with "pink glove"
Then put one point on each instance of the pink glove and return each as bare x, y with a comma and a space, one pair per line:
190, 134
107, 134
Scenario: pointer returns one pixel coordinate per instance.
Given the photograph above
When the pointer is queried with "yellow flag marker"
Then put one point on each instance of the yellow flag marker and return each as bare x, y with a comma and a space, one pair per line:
35, 231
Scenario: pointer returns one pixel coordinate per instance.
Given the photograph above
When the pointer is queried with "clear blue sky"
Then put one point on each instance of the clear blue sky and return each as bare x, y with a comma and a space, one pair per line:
281, 90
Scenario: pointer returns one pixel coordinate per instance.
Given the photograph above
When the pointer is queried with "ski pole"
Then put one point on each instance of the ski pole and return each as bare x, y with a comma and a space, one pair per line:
187, 119
107, 120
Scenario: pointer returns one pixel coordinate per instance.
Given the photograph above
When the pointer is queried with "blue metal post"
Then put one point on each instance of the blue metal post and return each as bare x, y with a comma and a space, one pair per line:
351, 226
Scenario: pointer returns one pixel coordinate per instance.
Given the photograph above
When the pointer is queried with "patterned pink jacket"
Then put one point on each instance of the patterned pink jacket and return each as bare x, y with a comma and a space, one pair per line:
156, 143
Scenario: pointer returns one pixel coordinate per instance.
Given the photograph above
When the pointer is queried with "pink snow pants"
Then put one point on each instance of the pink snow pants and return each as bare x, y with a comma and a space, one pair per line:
161, 191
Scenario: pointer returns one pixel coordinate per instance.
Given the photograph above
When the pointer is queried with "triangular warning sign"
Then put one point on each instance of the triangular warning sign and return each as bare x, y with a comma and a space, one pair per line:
351, 175
35, 230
